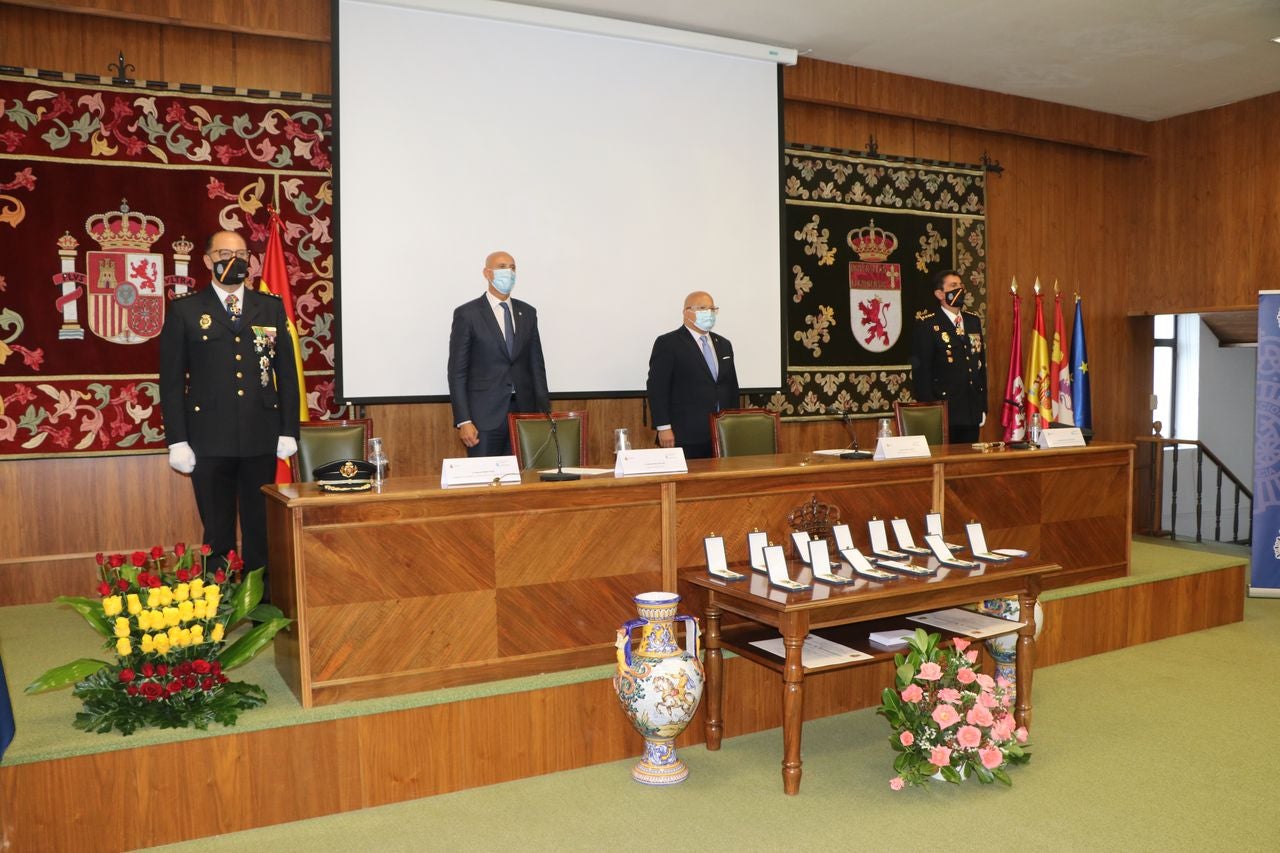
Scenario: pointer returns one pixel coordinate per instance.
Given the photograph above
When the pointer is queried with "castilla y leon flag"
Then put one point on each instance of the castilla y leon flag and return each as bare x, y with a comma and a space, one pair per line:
1059, 367
1011, 417
275, 279
1038, 368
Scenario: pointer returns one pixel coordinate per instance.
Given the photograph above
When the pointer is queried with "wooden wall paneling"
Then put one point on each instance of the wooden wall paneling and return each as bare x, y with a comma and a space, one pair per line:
282, 64
297, 19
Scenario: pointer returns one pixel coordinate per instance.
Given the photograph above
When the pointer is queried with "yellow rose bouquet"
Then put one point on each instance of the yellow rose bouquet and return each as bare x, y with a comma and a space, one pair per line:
168, 619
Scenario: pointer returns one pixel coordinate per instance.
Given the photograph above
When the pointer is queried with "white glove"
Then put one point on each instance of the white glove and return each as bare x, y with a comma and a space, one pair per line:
286, 446
982, 422
182, 458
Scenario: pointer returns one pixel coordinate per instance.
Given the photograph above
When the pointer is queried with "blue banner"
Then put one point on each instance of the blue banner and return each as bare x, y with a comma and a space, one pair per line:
6, 713
1266, 450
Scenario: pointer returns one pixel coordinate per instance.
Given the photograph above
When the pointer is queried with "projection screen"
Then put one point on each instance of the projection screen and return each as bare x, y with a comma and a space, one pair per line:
621, 172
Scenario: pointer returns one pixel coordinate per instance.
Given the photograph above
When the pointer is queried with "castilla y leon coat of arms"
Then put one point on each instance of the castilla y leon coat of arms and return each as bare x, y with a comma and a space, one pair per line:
124, 278
875, 288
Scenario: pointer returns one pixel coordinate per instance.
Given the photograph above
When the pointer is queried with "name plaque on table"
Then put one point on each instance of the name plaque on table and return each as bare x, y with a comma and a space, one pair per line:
1061, 437
901, 447
652, 460
479, 471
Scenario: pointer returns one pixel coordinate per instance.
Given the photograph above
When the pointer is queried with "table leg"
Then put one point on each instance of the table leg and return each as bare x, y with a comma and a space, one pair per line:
1025, 663
715, 676
792, 713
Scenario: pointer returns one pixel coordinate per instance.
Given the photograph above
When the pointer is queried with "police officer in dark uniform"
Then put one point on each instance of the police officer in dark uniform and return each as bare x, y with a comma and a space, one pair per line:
949, 359
229, 394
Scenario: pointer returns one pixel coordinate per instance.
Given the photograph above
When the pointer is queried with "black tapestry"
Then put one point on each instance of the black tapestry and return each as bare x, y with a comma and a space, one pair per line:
864, 234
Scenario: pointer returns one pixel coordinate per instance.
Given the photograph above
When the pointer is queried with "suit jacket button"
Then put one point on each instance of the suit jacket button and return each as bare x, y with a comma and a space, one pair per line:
204, 337
240, 393
237, 339
239, 375
238, 356
197, 408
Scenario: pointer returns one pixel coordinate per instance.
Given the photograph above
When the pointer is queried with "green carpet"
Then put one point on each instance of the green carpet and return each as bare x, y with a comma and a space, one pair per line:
1166, 746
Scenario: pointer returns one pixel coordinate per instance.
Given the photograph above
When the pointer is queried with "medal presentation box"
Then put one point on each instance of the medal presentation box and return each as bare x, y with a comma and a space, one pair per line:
416, 587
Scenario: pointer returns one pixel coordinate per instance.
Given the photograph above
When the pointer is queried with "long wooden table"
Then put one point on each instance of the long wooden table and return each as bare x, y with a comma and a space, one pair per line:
865, 606
418, 587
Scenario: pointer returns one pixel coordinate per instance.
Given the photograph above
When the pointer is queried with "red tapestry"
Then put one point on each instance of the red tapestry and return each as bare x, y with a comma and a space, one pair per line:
107, 195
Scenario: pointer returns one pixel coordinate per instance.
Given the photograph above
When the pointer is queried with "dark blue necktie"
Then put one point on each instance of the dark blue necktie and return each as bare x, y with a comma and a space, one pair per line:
508, 329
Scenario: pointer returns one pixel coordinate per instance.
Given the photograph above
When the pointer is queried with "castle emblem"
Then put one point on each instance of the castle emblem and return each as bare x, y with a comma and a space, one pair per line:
875, 288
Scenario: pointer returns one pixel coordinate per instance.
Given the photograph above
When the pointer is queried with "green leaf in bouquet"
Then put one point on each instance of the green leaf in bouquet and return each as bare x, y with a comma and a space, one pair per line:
265, 613
1002, 777
246, 596
255, 640
951, 775
67, 674
90, 609
906, 672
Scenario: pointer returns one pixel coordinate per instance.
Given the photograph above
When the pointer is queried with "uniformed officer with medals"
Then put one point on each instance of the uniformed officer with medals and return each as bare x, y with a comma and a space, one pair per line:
949, 359
229, 394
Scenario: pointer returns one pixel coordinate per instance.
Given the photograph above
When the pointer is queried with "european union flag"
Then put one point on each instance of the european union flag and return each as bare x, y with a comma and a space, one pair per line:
1080, 399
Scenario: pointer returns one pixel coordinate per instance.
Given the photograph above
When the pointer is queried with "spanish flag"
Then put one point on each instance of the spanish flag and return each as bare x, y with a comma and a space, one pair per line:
275, 279
1038, 369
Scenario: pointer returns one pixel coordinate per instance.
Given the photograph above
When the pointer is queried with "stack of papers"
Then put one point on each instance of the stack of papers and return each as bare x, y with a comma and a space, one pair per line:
966, 622
816, 652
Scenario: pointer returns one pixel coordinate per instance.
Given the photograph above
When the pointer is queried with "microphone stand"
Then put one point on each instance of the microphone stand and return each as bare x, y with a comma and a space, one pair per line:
853, 452
557, 476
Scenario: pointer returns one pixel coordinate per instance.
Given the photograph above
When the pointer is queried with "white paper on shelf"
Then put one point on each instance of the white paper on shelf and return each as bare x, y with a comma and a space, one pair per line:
891, 639
815, 653
960, 621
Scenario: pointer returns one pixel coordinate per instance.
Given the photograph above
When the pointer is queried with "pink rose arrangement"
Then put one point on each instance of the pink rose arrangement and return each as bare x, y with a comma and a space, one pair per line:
167, 617
948, 718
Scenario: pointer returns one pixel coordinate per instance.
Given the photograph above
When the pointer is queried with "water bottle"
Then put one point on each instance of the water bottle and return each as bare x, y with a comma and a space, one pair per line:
621, 439
1035, 428
885, 430
378, 459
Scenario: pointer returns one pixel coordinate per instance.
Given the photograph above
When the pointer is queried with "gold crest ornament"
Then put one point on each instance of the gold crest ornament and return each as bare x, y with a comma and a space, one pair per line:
205, 321
348, 469
946, 338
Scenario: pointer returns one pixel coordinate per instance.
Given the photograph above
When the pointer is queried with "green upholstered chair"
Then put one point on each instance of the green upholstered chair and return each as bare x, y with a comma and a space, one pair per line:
320, 442
744, 432
927, 419
531, 439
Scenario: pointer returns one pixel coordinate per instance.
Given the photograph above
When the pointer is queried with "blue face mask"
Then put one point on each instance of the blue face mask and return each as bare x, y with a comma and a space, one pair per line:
705, 319
504, 281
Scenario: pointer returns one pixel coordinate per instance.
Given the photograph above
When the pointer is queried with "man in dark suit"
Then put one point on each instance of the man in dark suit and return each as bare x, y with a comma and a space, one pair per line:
229, 394
691, 376
949, 359
495, 362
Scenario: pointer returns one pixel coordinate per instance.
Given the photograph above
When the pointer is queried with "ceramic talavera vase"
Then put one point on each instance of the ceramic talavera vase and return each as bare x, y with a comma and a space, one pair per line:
1004, 649
658, 684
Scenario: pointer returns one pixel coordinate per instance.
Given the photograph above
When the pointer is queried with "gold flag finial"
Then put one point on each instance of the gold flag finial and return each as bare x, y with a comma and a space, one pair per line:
1036, 286
1013, 288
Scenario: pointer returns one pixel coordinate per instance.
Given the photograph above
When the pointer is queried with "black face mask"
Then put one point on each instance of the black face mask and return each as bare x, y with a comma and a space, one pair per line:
231, 273
955, 298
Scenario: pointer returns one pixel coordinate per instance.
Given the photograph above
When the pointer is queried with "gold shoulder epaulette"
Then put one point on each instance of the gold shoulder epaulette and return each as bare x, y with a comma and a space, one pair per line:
924, 314
269, 293
178, 296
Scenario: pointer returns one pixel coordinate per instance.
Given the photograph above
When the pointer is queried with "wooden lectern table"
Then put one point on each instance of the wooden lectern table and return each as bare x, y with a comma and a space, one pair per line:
865, 606
417, 587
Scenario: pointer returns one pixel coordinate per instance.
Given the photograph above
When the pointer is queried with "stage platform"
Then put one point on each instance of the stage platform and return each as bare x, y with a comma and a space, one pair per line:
61, 789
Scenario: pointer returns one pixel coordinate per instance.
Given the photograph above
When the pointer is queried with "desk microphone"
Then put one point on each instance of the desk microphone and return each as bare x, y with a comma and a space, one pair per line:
557, 476
852, 452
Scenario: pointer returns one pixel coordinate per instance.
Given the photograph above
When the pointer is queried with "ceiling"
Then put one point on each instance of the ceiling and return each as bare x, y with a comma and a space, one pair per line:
1148, 59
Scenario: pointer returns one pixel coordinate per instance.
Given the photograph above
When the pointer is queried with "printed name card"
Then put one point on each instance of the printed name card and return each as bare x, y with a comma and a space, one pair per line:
902, 447
653, 460
480, 471
1062, 437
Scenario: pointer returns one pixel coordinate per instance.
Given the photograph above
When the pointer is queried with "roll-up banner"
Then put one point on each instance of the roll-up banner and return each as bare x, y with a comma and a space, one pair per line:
1265, 574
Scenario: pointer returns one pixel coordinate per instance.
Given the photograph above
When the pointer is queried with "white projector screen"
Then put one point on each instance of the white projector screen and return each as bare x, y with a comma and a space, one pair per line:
621, 174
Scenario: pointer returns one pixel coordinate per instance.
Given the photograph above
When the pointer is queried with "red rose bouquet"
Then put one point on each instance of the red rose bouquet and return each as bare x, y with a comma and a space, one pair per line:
167, 617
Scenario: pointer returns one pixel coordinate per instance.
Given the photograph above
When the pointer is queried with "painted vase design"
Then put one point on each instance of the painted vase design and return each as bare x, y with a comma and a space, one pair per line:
1004, 649
659, 685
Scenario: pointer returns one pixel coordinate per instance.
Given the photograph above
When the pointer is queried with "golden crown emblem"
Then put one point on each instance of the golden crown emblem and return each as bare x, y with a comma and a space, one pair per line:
67, 243
183, 246
814, 518
872, 243
124, 229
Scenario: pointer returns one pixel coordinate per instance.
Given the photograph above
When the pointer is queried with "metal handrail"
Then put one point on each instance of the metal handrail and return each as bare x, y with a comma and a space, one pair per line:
1157, 445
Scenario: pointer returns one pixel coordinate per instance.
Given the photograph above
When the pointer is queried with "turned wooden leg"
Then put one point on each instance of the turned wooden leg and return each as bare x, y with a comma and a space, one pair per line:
715, 677
792, 713
1025, 664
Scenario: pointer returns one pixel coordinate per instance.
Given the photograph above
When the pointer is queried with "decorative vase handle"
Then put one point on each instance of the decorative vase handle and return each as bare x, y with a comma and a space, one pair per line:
624, 641
691, 634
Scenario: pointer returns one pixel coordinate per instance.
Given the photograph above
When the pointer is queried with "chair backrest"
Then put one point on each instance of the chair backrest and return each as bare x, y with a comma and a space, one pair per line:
744, 432
320, 442
927, 419
531, 439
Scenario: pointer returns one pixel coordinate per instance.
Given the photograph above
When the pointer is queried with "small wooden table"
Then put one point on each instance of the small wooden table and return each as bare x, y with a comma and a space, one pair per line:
795, 614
